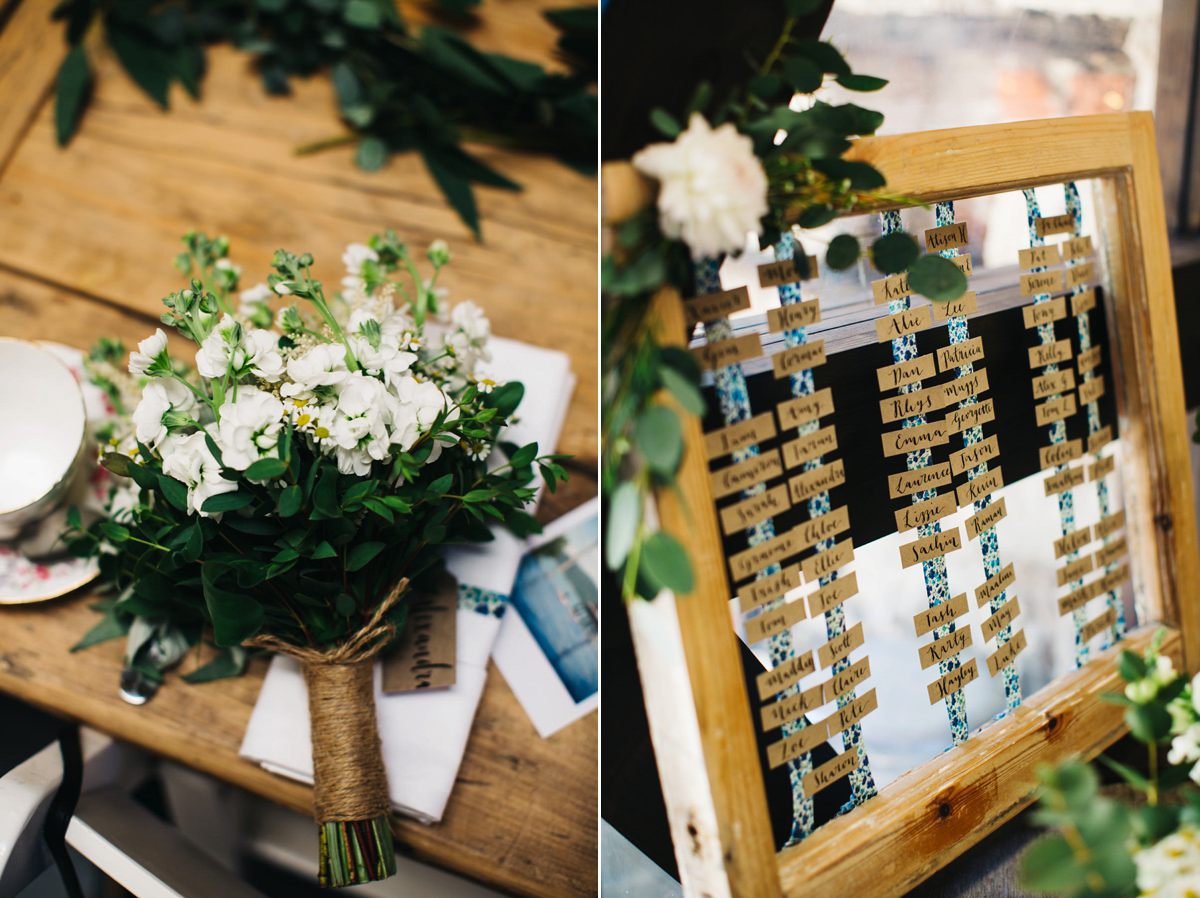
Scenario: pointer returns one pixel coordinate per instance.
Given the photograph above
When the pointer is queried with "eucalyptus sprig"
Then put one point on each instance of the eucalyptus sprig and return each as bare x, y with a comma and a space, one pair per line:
399, 89
809, 185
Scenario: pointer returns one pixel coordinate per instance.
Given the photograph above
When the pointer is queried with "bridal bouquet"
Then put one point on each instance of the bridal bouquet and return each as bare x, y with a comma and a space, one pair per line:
296, 481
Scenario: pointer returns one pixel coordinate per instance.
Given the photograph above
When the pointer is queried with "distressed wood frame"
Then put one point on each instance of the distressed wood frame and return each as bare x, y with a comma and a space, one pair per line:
701, 723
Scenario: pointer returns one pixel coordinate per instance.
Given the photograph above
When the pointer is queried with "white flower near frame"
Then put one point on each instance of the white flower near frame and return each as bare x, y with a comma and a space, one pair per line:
249, 428
1171, 866
189, 460
165, 405
712, 188
221, 349
148, 352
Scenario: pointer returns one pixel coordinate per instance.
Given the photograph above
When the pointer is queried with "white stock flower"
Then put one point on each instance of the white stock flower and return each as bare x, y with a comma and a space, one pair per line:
420, 404
147, 353
188, 460
221, 350
322, 366
353, 258
266, 362
249, 428
253, 299
712, 188
159, 397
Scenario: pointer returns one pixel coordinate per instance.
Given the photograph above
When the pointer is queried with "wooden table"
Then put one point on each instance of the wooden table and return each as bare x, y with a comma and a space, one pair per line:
87, 239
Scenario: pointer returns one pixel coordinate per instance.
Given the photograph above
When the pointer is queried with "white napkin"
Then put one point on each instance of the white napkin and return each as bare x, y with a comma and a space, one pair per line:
424, 733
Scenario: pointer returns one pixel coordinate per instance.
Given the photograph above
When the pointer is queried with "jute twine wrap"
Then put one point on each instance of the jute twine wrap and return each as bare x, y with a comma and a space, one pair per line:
349, 781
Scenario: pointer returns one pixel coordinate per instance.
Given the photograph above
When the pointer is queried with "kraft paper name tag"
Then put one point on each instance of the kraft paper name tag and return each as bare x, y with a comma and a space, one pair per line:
1060, 453
1072, 542
910, 321
783, 271
947, 646
1054, 382
1089, 359
940, 615
963, 262
729, 439
833, 594
801, 742
784, 676
819, 480
1103, 622
1080, 597
1102, 467
1082, 303
831, 771
841, 683
1077, 247
1053, 224
1079, 274
1007, 653
1100, 439
1110, 553
986, 519
1066, 479
743, 475
925, 512
799, 358
1050, 353
974, 455
953, 682
748, 562
1041, 282
797, 412
910, 405
971, 416
424, 656
890, 288
768, 589
956, 308
750, 511
1091, 390
1040, 313
1055, 409
823, 526
958, 354
793, 315
951, 236
792, 707
724, 353
912, 439
962, 388
908, 482
714, 306
1038, 257
1074, 570
853, 712
902, 373
825, 563
975, 490
816, 444
933, 546
768, 622
838, 648
1003, 617
994, 586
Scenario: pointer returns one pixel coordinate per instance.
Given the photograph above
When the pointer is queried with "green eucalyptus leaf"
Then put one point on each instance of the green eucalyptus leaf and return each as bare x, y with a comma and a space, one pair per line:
861, 82
700, 99
266, 469
815, 216
660, 439
142, 476
70, 93
364, 14
175, 492
684, 390
362, 553
799, 8
230, 662
861, 175
803, 74
824, 55
150, 67
665, 123
765, 86
624, 512
235, 616
842, 253
232, 501
111, 626
371, 154
289, 501
895, 252
117, 463
665, 564
937, 278
1148, 723
455, 188
1049, 865
113, 532
1131, 666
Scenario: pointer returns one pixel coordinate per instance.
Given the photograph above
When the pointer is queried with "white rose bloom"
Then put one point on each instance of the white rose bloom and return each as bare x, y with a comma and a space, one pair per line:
159, 397
712, 188
147, 352
188, 460
266, 362
218, 351
249, 428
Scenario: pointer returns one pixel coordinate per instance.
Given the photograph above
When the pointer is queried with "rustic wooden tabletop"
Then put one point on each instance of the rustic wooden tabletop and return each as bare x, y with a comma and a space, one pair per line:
87, 238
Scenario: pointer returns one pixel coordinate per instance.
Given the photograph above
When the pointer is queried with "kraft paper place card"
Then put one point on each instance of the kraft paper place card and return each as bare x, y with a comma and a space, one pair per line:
784, 271
767, 589
940, 614
909, 405
714, 306
925, 512
930, 547
750, 511
1050, 353
958, 354
1057, 454
1004, 617
1041, 282
723, 353
1007, 653
1091, 390
819, 480
729, 439
1053, 224
912, 439
1074, 570
963, 388
963, 261
793, 707
941, 649
1054, 382
846, 717
1102, 467
918, 480
951, 236
974, 455
904, 373
833, 594
771, 621
802, 742
1066, 479
825, 563
1055, 410
890, 288
910, 321
1099, 624
1077, 247
745, 474
995, 585
973, 415
1079, 274
797, 412
793, 316
1040, 313
1038, 257
423, 657
953, 682
798, 358
784, 675
1110, 553
1084, 302
1072, 542
1100, 439
841, 646
956, 308
806, 448
1089, 359
992, 514
979, 488
830, 772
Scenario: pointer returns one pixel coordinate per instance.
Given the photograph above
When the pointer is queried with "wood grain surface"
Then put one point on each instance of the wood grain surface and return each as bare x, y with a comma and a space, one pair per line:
87, 238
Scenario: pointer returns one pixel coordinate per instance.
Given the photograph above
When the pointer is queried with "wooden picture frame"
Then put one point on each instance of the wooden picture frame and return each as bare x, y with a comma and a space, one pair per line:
700, 719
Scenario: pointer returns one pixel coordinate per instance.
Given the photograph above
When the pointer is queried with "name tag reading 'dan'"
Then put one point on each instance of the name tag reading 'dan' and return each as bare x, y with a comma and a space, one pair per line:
925, 512
953, 682
1053, 224
798, 358
1077, 247
729, 439
767, 589
714, 306
1040, 313
1038, 257
723, 353
1091, 390
992, 515
783, 271
955, 308
940, 615
797, 412
816, 444
793, 316
903, 373
951, 236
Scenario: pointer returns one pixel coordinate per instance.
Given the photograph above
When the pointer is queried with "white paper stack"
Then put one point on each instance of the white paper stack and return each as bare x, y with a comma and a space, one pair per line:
424, 734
